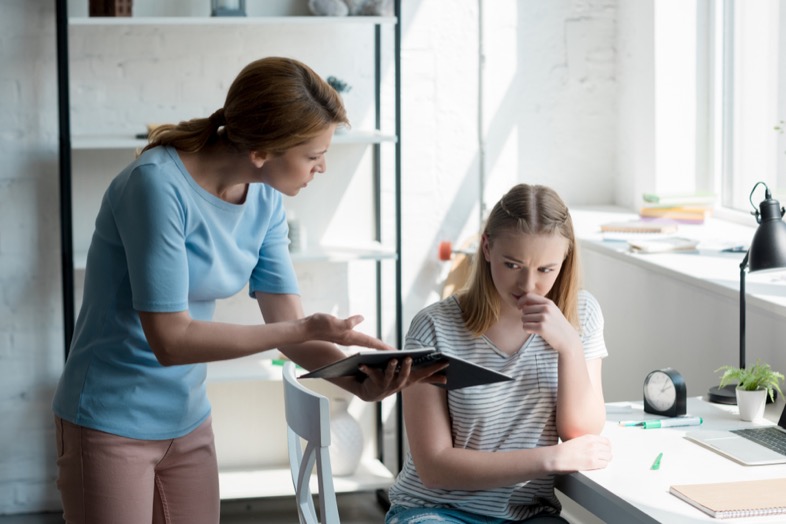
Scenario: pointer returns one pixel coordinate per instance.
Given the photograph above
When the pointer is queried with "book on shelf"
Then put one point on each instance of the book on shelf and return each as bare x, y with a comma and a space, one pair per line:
696, 199
744, 498
640, 226
682, 214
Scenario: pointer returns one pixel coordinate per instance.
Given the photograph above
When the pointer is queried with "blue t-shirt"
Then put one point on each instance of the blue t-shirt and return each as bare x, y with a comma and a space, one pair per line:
162, 243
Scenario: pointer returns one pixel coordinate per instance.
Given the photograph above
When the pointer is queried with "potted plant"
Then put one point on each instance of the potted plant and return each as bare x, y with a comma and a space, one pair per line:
754, 384
342, 88
339, 85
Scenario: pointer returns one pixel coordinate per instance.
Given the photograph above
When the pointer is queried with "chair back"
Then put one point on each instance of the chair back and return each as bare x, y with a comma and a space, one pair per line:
308, 418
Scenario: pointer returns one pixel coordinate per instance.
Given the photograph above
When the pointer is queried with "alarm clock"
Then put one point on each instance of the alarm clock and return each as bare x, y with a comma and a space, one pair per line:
665, 393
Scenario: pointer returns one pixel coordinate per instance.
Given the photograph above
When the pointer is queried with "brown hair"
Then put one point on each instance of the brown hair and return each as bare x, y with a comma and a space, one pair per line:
272, 105
527, 209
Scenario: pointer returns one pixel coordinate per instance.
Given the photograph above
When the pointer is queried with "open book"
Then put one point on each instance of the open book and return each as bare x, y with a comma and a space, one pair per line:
461, 373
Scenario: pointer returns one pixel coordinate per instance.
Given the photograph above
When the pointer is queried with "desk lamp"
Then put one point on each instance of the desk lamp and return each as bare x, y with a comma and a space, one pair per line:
767, 252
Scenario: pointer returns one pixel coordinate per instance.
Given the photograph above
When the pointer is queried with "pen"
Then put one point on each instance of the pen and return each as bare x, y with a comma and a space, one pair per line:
631, 423
671, 422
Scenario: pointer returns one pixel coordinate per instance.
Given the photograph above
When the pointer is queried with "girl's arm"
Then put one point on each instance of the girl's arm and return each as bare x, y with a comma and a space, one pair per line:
442, 466
580, 404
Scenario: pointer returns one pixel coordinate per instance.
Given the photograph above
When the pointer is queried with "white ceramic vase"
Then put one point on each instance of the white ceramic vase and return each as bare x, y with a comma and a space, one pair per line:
346, 439
751, 404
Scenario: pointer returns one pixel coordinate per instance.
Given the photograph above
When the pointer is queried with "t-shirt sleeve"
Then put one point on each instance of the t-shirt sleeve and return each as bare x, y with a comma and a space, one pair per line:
274, 272
149, 216
592, 327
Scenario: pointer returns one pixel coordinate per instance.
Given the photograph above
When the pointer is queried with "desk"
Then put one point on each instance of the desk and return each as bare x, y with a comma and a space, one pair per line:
628, 492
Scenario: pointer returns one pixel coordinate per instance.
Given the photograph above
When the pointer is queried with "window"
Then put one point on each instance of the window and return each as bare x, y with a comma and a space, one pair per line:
747, 74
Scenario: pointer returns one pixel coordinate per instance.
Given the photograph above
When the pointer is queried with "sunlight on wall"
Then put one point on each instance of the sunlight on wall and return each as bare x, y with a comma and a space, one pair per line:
675, 96
755, 105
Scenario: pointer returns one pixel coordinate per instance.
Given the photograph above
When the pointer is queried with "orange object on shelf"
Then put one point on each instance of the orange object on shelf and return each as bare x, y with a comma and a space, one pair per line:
445, 250
461, 266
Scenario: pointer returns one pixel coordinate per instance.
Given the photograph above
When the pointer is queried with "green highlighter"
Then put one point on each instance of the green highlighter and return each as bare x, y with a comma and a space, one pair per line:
672, 422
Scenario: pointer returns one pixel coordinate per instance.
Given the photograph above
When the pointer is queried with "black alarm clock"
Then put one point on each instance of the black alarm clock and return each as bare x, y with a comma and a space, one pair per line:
665, 393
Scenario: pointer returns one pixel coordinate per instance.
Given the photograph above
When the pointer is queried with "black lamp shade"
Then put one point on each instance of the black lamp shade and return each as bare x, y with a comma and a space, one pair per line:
768, 246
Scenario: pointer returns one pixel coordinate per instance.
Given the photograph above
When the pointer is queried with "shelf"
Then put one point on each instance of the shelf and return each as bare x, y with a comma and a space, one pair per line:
277, 482
97, 142
252, 367
229, 20
255, 447
372, 251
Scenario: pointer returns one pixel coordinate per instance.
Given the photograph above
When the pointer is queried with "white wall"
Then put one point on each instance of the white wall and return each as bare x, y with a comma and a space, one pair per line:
549, 116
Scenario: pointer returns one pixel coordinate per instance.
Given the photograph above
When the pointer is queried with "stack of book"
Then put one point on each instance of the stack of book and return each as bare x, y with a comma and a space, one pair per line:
686, 209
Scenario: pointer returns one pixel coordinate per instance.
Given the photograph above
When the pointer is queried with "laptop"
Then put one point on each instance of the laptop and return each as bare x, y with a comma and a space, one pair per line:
750, 446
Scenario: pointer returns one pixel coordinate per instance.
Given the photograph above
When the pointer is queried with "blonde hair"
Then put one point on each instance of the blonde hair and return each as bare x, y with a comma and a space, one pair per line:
526, 209
272, 105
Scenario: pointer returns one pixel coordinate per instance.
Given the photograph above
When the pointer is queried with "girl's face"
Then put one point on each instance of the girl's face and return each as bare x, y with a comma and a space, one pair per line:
524, 263
296, 167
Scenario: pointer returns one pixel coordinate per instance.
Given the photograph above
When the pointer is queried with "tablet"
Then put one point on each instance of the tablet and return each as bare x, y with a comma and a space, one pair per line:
460, 373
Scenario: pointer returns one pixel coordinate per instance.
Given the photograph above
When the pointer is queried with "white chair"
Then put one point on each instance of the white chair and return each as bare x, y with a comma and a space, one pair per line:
308, 417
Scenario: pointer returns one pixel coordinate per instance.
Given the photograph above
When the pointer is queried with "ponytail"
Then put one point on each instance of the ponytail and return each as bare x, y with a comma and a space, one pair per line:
191, 136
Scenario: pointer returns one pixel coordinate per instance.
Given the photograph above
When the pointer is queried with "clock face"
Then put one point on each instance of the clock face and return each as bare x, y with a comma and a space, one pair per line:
659, 391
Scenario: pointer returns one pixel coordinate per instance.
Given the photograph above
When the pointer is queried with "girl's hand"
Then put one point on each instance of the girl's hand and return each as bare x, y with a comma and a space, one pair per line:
541, 316
582, 453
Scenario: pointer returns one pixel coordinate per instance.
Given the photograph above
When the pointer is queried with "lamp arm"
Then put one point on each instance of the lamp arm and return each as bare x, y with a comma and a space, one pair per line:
743, 265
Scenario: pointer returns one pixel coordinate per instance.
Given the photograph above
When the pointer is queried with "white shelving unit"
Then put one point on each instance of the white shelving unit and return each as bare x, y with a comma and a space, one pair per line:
259, 371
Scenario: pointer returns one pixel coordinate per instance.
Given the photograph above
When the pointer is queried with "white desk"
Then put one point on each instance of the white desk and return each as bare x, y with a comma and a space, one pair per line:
628, 492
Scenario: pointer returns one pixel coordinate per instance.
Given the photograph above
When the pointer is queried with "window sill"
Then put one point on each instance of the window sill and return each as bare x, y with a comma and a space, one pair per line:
708, 267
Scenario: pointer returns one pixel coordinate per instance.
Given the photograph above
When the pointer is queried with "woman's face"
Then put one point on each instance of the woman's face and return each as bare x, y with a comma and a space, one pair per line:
295, 168
524, 263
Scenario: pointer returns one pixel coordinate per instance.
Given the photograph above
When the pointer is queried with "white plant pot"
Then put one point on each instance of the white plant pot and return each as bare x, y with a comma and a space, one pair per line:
751, 404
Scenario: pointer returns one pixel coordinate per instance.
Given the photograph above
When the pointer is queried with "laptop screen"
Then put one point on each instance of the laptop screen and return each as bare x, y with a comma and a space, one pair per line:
782, 420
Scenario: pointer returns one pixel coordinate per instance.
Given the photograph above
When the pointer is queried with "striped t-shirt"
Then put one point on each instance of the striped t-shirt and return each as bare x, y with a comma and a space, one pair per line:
504, 416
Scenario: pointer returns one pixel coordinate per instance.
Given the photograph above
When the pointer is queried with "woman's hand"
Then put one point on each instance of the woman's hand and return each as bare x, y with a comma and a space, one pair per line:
542, 316
321, 326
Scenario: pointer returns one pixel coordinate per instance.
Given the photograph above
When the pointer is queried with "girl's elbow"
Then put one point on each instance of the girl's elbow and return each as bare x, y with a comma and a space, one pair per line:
431, 481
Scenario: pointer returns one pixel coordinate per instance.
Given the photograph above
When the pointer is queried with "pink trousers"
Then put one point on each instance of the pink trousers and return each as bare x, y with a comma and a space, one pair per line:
107, 479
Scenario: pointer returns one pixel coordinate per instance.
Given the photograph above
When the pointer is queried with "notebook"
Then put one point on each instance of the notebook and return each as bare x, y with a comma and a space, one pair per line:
750, 446
745, 498
460, 373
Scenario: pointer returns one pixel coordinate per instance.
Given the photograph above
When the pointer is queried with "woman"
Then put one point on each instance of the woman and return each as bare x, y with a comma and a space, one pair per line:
196, 217
489, 453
